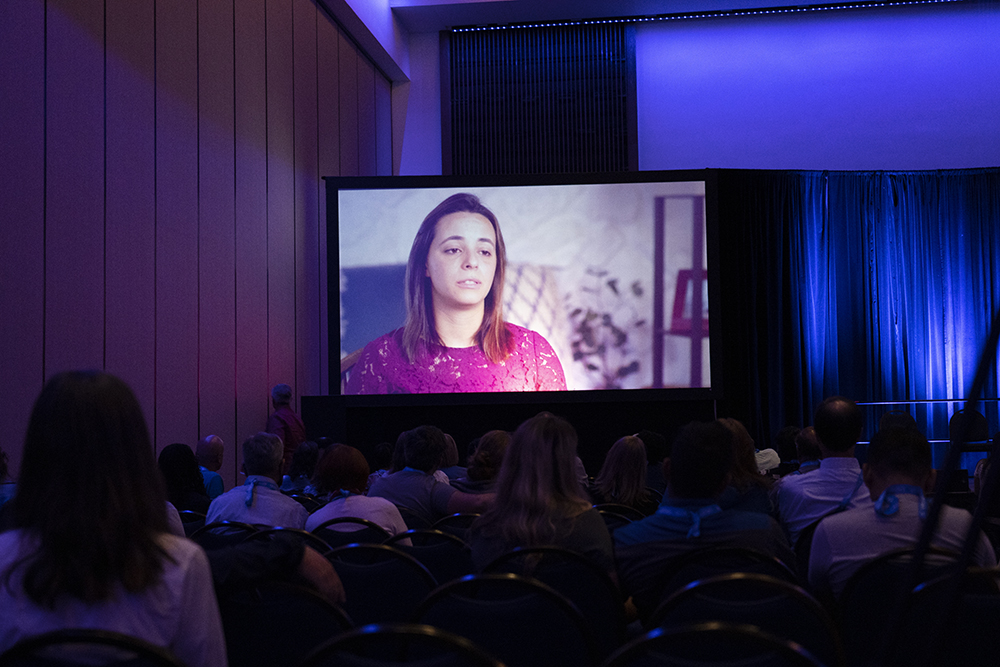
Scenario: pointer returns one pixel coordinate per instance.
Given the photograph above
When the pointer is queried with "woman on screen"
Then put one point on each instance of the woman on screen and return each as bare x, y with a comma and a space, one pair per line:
455, 338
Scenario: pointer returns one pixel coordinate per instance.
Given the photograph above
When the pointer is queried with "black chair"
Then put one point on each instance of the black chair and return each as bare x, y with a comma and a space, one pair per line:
382, 583
871, 596
614, 520
711, 645
456, 524
277, 623
583, 582
307, 538
803, 546
398, 644
777, 607
191, 521
311, 503
521, 621
972, 425
446, 556
358, 531
68, 648
627, 511
412, 519
966, 633
222, 534
681, 570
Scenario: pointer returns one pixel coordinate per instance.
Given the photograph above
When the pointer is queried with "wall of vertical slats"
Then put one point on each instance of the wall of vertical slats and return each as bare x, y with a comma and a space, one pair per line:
555, 99
161, 215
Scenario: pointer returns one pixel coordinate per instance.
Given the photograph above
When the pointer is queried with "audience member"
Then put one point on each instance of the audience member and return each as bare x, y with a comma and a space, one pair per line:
259, 500
657, 449
90, 547
784, 444
210, 452
185, 485
449, 464
416, 487
897, 474
484, 465
748, 489
340, 477
301, 470
381, 461
622, 479
837, 484
690, 517
285, 424
539, 499
808, 451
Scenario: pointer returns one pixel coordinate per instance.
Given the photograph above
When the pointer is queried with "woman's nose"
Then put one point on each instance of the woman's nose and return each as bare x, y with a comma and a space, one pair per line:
471, 261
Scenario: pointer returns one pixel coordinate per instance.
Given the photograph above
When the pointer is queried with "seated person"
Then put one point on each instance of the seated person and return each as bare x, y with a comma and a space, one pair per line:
185, 485
416, 486
210, 452
748, 489
622, 479
90, 546
689, 517
657, 449
837, 484
449, 464
539, 500
301, 469
484, 463
259, 501
341, 477
897, 474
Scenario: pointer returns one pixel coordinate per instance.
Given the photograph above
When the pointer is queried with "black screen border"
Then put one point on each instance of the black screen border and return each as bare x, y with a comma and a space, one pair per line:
336, 183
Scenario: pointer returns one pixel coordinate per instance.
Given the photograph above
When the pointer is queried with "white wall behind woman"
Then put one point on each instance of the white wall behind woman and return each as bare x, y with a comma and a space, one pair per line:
899, 89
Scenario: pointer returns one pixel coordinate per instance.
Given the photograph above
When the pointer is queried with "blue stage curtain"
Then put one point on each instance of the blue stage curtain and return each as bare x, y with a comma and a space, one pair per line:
880, 286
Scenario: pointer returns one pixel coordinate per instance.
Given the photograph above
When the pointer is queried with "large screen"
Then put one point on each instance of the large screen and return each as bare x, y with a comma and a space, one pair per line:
605, 283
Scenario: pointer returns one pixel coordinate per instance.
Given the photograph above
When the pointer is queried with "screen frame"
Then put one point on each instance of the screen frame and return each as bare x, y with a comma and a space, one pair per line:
336, 183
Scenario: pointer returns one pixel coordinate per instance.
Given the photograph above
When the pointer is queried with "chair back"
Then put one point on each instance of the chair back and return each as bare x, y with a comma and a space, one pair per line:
446, 556
711, 644
307, 538
521, 621
191, 521
356, 531
382, 584
412, 519
69, 648
310, 502
614, 520
277, 623
222, 534
399, 644
777, 607
583, 582
456, 524
627, 511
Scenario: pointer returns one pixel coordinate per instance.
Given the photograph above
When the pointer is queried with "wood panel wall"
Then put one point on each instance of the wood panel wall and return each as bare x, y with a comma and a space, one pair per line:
161, 208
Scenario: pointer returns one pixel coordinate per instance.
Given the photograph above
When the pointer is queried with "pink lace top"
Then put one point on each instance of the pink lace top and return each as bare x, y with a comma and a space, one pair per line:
383, 368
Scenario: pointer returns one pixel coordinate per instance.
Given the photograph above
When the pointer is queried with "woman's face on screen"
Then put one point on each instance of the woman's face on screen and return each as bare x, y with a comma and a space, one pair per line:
462, 260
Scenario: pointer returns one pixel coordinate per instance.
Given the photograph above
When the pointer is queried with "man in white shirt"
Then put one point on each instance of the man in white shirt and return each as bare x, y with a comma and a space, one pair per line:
259, 500
837, 483
896, 475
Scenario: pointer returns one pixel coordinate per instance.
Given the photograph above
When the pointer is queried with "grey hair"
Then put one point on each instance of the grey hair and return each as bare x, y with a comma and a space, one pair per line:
281, 394
262, 453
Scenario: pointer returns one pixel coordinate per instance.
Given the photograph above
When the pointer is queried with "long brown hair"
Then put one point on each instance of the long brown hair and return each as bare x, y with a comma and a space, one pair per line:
744, 471
492, 336
89, 492
537, 483
623, 476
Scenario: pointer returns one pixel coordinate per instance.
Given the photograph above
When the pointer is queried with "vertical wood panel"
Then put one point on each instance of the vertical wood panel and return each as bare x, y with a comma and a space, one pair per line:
252, 402
74, 225
280, 196
348, 59
216, 222
22, 216
328, 143
130, 288
383, 125
307, 215
367, 138
176, 222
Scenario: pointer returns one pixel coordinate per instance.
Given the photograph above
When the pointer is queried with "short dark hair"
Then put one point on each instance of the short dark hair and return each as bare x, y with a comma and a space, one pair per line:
838, 422
485, 462
900, 450
700, 459
423, 448
342, 467
179, 468
657, 447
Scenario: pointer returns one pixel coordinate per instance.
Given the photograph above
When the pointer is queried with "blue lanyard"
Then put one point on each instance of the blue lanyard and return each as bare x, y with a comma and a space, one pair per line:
888, 504
253, 483
695, 516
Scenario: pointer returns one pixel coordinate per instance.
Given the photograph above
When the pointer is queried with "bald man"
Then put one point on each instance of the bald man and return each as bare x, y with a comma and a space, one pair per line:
209, 454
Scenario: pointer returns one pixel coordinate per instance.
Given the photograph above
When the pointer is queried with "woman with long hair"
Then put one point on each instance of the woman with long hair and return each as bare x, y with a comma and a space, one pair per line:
484, 464
90, 546
455, 338
622, 479
748, 489
185, 485
539, 500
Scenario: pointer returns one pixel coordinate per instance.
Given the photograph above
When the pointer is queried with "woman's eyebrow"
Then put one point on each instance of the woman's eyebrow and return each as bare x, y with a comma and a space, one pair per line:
457, 237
